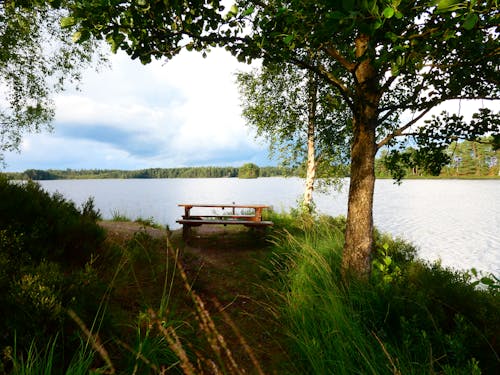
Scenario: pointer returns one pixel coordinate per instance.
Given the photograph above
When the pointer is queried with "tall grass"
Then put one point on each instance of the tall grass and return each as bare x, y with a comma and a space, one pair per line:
44, 362
419, 320
317, 310
161, 342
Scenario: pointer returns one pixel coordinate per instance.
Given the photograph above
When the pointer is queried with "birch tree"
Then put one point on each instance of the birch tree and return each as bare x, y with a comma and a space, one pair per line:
301, 121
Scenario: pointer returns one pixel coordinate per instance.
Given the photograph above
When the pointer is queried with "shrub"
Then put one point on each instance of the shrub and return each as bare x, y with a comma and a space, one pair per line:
46, 247
52, 227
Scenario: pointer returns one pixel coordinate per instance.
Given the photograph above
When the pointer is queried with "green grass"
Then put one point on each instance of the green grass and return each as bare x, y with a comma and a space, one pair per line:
118, 216
411, 318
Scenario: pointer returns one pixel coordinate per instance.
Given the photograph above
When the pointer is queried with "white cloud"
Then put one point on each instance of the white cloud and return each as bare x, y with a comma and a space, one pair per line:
184, 112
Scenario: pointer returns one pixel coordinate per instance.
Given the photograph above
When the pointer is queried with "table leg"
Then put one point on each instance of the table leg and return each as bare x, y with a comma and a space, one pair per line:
186, 232
258, 214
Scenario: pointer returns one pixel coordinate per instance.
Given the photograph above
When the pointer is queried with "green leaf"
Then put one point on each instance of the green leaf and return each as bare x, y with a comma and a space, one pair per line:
388, 12
115, 40
448, 5
67, 21
378, 24
288, 39
449, 34
487, 281
387, 261
470, 21
234, 9
393, 37
248, 11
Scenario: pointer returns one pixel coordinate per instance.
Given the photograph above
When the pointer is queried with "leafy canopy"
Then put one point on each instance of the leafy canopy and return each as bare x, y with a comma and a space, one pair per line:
36, 58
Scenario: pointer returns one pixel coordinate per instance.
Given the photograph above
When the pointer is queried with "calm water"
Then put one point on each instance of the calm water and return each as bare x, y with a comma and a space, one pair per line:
457, 221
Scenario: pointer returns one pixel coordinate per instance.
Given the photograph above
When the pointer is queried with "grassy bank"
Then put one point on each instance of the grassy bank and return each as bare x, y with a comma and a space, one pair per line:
412, 318
80, 299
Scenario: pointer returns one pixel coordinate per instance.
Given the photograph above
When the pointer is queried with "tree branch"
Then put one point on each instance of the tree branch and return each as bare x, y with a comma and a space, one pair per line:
399, 132
388, 83
323, 72
330, 50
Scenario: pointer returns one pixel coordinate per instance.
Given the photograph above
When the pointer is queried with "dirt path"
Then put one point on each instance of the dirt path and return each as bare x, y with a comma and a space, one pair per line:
126, 229
227, 264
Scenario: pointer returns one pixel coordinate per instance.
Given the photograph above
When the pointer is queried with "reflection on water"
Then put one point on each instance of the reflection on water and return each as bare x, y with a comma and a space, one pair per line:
456, 221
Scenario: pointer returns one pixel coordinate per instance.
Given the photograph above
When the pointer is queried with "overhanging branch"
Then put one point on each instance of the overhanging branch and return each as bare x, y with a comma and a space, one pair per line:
399, 132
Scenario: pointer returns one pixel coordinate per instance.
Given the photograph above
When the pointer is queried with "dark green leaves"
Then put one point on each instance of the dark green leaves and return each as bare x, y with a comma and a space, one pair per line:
470, 21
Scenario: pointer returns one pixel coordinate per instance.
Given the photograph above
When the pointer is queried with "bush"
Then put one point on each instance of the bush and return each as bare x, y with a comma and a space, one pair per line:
52, 227
46, 247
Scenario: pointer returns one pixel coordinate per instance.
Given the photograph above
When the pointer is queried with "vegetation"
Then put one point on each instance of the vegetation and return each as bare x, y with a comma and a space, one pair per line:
73, 303
388, 61
473, 159
46, 267
411, 318
465, 159
249, 170
37, 58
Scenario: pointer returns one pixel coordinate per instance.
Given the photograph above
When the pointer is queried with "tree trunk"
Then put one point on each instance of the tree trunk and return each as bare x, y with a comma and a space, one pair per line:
311, 151
356, 258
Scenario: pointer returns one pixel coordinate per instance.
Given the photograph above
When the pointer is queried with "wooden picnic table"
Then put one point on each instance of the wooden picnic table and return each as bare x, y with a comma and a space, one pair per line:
249, 220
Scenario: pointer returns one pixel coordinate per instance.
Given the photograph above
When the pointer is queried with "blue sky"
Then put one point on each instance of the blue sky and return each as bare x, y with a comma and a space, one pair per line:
182, 113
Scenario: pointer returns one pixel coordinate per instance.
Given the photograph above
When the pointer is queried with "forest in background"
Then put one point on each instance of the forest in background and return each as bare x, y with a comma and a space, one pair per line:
466, 159
185, 172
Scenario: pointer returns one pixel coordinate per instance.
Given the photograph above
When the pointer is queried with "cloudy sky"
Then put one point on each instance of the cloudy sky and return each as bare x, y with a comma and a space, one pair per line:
182, 113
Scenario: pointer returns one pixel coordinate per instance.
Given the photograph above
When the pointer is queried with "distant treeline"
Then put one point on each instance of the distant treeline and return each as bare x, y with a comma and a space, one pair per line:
188, 172
467, 159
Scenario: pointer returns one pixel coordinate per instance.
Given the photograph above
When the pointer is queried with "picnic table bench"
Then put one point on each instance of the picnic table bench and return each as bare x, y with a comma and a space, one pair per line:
254, 220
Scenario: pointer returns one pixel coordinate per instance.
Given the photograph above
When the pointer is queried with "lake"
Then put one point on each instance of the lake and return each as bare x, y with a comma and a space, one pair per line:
457, 221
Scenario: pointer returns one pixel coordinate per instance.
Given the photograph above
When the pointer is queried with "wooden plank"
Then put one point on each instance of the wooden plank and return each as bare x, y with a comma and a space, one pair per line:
220, 216
224, 205
192, 222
